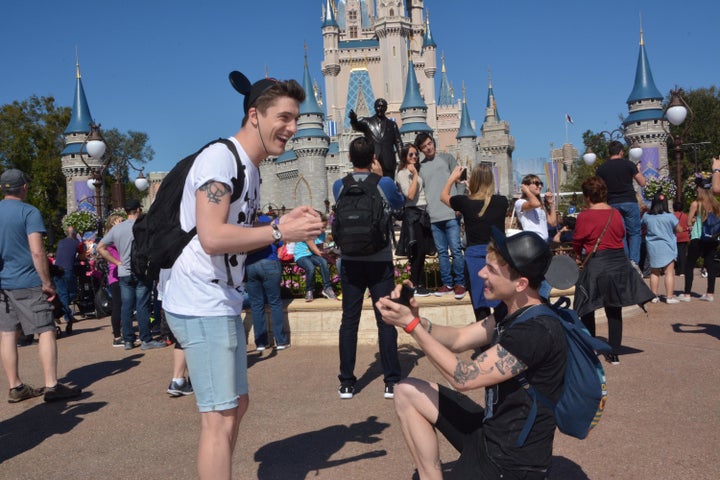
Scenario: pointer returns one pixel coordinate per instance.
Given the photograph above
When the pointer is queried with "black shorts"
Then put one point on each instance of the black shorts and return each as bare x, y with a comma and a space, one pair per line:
460, 421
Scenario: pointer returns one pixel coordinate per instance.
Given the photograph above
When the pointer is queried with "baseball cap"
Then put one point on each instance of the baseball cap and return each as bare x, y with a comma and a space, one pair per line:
13, 178
530, 256
251, 91
131, 205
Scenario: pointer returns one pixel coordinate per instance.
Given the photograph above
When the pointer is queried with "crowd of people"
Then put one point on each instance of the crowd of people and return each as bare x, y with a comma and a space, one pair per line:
209, 285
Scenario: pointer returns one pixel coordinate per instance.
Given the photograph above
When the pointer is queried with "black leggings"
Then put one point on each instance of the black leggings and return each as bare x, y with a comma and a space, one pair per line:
706, 250
615, 326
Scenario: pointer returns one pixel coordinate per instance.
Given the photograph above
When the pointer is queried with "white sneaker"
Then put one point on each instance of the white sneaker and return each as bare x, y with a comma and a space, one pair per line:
655, 300
671, 300
683, 297
706, 298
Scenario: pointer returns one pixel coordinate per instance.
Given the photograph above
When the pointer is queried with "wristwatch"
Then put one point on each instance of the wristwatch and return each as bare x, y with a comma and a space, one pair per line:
716, 170
276, 233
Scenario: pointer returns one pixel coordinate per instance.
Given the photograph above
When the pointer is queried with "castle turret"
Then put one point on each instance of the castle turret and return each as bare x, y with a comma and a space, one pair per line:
496, 144
331, 61
644, 124
79, 194
466, 137
413, 110
393, 29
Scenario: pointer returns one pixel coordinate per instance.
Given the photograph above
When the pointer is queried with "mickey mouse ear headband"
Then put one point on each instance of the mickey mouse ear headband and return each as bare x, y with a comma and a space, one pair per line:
251, 91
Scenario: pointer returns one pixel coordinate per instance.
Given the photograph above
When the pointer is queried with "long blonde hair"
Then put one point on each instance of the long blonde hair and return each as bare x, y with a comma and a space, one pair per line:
481, 185
708, 202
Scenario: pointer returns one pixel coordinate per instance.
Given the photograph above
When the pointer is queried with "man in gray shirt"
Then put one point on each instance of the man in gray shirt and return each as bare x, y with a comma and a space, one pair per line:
134, 291
435, 170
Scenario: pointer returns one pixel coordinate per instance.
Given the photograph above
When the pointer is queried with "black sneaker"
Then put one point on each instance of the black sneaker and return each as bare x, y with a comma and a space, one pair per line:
118, 342
422, 292
23, 392
152, 344
389, 390
346, 391
61, 392
175, 390
612, 358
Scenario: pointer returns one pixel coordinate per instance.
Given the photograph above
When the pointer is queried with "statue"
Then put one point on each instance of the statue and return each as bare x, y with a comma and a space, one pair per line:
383, 132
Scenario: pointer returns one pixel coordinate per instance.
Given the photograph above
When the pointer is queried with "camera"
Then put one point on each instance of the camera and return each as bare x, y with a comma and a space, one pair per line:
406, 293
463, 175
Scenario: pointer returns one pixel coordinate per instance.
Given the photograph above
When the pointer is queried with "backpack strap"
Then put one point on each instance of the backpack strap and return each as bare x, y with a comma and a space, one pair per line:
238, 183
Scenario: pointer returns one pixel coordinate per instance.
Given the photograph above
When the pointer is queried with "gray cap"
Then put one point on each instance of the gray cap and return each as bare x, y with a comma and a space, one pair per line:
13, 178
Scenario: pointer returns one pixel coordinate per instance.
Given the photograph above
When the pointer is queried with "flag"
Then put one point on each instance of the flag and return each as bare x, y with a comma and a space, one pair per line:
568, 119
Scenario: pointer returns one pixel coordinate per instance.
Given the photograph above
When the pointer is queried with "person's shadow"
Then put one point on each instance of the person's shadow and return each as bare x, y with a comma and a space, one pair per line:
408, 354
29, 429
706, 328
295, 457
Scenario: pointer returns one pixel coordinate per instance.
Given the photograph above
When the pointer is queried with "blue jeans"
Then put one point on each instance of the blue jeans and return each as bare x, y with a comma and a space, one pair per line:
447, 236
263, 285
630, 212
135, 295
356, 276
66, 290
308, 264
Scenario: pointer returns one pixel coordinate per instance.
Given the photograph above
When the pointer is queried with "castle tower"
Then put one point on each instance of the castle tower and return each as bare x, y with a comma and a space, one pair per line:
413, 109
428, 68
393, 30
79, 195
466, 137
645, 121
331, 61
496, 144
448, 114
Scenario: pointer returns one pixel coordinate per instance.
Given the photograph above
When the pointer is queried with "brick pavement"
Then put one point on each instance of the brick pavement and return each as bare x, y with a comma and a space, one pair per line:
662, 418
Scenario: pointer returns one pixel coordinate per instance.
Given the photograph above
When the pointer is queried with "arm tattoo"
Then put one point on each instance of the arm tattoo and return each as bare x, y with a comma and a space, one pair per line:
215, 191
465, 371
507, 362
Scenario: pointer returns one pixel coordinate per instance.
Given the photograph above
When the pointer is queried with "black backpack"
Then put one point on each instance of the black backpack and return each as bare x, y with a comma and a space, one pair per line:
158, 238
362, 218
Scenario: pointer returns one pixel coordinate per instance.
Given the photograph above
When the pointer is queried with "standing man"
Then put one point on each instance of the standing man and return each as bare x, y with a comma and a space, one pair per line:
26, 291
203, 294
618, 174
383, 133
374, 272
487, 437
69, 251
134, 291
435, 170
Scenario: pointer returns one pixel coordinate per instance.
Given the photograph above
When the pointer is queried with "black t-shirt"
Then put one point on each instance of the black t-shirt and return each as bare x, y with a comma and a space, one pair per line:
540, 344
477, 228
618, 175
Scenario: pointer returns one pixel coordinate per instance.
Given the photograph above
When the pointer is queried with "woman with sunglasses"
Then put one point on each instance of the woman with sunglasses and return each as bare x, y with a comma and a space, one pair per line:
534, 212
416, 239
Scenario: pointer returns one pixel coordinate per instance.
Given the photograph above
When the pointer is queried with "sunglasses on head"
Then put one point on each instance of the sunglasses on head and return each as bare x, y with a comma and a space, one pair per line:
537, 183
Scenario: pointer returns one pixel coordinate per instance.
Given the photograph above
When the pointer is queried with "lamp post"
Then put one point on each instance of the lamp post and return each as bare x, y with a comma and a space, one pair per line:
635, 151
675, 113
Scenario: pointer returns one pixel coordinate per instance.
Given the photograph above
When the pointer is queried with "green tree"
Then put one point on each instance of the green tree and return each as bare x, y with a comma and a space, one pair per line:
31, 133
598, 143
123, 152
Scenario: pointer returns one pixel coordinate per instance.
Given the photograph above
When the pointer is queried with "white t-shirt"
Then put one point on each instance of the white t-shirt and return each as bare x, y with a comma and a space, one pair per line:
211, 285
534, 220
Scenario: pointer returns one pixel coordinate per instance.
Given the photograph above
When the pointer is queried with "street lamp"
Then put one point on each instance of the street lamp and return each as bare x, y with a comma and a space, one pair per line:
634, 153
676, 112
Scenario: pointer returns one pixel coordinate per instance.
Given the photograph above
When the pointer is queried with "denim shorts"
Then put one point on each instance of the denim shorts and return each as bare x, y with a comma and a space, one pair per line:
216, 357
27, 308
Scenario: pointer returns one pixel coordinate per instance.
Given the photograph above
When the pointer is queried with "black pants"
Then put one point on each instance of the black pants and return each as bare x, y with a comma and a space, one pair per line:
706, 250
615, 326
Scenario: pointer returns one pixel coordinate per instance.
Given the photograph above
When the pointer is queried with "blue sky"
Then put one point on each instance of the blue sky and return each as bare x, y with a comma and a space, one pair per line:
161, 66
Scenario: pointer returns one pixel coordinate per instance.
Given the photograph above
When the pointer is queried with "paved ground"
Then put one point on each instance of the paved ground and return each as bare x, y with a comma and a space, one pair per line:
662, 419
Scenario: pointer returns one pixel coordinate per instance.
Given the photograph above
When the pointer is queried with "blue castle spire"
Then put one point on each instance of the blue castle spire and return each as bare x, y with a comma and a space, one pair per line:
428, 38
413, 108
329, 14
466, 129
644, 87
446, 94
412, 99
310, 104
80, 118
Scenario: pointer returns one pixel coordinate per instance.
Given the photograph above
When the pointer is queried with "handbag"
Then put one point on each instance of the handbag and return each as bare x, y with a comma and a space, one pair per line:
597, 242
511, 227
696, 232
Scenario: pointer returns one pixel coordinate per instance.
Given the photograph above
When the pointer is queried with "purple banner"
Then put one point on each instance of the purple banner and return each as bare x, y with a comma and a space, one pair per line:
84, 196
650, 162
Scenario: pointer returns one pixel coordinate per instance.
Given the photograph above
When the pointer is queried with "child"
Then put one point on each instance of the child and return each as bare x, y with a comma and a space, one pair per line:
661, 246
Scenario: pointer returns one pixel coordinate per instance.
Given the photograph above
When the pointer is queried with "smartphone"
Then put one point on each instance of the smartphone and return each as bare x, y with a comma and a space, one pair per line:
463, 175
406, 293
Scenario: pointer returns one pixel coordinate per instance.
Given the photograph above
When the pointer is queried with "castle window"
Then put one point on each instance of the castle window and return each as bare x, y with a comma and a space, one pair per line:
353, 32
352, 15
392, 12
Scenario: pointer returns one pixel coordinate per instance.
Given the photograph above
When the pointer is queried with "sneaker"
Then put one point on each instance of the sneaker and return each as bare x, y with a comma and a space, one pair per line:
389, 390
422, 292
444, 290
684, 297
459, 292
152, 344
118, 342
329, 293
23, 392
346, 391
707, 298
637, 269
129, 345
284, 346
61, 392
309, 296
655, 300
260, 348
703, 272
175, 390
671, 300
612, 358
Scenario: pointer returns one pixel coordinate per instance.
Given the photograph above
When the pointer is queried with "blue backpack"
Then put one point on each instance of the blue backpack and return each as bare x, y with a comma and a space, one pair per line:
710, 228
584, 388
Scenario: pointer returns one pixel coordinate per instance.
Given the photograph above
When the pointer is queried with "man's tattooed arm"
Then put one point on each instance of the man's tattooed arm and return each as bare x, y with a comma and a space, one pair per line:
507, 362
215, 191
465, 371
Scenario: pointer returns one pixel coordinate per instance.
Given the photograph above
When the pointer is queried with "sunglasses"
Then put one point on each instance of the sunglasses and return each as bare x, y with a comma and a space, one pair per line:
537, 183
412, 155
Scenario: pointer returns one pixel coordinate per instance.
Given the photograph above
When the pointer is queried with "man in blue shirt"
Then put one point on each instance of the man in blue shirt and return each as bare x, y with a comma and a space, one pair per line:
26, 291
358, 273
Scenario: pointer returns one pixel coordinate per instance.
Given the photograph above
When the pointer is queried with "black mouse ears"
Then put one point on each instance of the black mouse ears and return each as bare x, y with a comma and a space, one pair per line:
240, 82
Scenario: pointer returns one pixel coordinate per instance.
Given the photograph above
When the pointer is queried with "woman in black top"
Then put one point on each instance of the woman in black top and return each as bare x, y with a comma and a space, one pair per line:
481, 210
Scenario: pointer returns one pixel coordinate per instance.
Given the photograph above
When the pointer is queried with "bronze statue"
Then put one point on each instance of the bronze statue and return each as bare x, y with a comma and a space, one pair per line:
383, 132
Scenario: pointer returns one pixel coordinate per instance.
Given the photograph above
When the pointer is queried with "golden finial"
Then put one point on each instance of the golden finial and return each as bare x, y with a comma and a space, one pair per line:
77, 63
267, 71
464, 92
489, 77
442, 58
642, 38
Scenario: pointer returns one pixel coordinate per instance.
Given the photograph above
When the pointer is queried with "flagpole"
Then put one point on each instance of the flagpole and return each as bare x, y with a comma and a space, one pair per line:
566, 129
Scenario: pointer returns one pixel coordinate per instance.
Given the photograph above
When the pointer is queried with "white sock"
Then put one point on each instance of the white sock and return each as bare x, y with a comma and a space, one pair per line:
179, 381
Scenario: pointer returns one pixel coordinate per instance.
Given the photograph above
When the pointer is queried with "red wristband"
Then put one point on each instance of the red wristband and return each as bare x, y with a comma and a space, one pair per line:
411, 326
